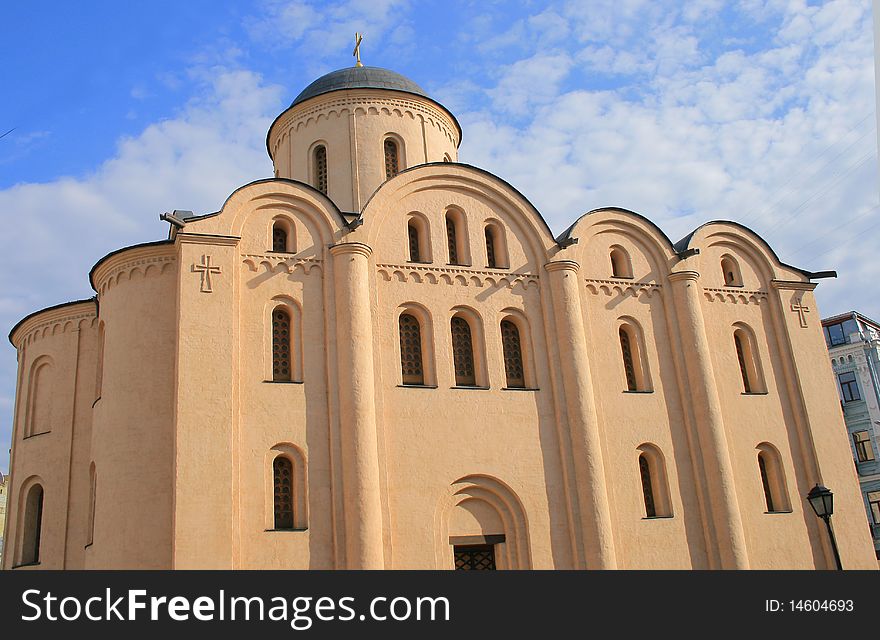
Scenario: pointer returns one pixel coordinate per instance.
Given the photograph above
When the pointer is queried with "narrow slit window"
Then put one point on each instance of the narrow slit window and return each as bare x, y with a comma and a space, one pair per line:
321, 169
765, 482
411, 350
281, 355
452, 240
647, 486
414, 253
279, 237
463, 353
33, 526
621, 266
283, 485
513, 360
628, 364
490, 248
392, 160
743, 369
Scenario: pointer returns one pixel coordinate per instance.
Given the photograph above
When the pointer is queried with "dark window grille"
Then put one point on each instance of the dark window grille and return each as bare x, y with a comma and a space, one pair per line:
513, 361
279, 238
281, 345
411, 350
463, 353
628, 364
283, 481
475, 557
321, 169
451, 241
647, 486
392, 164
490, 248
765, 482
414, 253
740, 356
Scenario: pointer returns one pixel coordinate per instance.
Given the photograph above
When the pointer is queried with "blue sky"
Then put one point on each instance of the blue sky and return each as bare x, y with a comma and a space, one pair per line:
757, 111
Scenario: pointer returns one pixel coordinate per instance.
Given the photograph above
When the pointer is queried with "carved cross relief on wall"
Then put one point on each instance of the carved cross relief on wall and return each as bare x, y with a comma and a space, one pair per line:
206, 269
802, 312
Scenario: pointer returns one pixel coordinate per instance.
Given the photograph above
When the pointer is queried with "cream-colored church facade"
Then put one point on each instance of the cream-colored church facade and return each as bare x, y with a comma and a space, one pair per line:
382, 358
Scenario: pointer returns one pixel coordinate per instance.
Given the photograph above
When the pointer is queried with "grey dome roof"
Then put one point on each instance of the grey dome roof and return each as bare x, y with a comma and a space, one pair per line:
359, 78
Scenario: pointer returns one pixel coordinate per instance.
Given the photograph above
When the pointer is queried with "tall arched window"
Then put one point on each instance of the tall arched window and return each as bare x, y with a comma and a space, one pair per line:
496, 246
392, 159
32, 526
39, 402
463, 353
747, 358
628, 364
647, 486
772, 479
621, 266
281, 352
282, 472
655, 488
411, 366
514, 368
451, 240
634, 365
490, 248
320, 164
730, 271
415, 254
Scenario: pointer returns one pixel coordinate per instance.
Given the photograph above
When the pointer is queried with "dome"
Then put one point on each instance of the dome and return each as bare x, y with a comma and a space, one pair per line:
359, 78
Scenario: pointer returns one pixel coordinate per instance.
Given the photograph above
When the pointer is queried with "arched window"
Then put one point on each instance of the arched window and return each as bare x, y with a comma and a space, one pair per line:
621, 266
282, 472
320, 164
282, 365
490, 248
456, 236
415, 254
463, 353
279, 237
730, 271
746, 356
39, 403
655, 488
452, 240
411, 366
772, 479
32, 526
392, 159
647, 486
634, 368
513, 357
496, 247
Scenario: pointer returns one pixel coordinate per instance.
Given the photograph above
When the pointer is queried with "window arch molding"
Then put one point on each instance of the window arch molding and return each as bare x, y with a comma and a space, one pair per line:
651, 459
426, 333
519, 319
478, 347
299, 485
621, 263
392, 168
418, 221
38, 416
637, 375
771, 473
294, 313
748, 359
730, 271
497, 256
30, 519
282, 224
456, 233
318, 174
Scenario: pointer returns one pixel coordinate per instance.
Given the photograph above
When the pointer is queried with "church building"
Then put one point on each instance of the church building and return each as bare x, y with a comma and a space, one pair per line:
383, 358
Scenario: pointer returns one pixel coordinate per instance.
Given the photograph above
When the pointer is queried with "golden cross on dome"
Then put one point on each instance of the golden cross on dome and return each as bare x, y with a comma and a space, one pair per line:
357, 48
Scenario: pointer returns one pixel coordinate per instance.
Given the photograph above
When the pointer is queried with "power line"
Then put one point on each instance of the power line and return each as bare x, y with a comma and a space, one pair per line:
840, 226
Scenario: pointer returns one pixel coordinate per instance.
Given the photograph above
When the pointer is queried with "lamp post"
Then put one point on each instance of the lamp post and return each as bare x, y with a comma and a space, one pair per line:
822, 501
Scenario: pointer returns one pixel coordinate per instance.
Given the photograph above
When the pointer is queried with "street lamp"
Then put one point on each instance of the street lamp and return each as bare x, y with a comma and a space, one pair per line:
822, 501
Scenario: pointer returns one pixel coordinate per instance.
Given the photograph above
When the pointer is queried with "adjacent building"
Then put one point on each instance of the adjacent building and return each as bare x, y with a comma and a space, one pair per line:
854, 345
4, 483
381, 357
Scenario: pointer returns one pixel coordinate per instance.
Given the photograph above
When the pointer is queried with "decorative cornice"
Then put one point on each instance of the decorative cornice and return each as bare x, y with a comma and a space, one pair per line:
453, 275
206, 238
622, 287
53, 321
272, 262
351, 247
792, 285
559, 265
150, 260
736, 296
